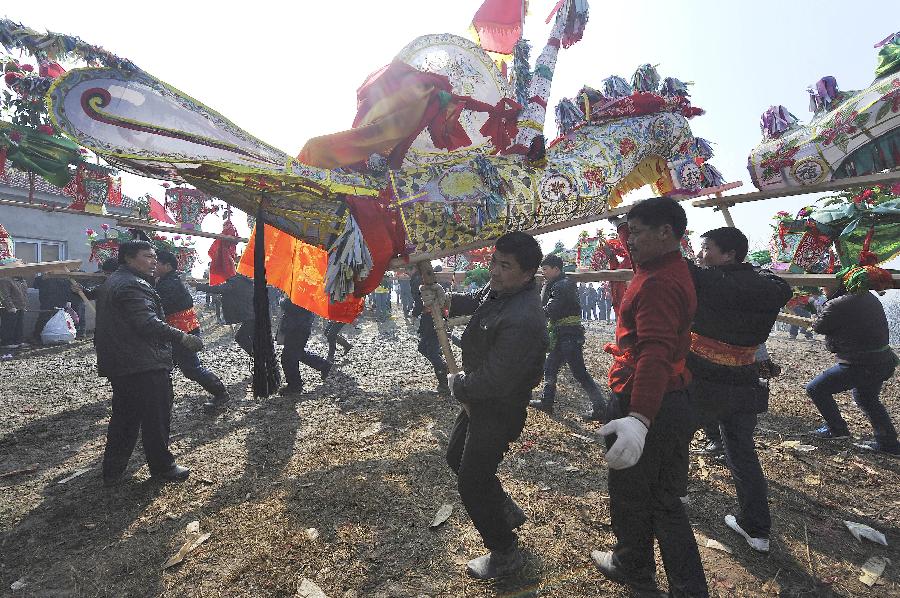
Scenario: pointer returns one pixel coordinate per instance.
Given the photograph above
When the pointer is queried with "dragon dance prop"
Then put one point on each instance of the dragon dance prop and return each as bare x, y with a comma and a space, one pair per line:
444, 151
851, 133
859, 225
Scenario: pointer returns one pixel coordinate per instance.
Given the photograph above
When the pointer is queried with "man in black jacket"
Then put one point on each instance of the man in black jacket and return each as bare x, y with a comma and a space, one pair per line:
561, 304
237, 307
296, 326
178, 305
428, 346
736, 308
503, 350
134, 350
856, 331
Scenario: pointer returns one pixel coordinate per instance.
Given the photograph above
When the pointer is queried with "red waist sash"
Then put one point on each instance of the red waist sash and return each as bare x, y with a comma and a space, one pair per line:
721, 353
185, 321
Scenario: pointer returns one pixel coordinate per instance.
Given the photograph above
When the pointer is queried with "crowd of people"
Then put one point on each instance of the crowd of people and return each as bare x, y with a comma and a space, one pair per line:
689, 353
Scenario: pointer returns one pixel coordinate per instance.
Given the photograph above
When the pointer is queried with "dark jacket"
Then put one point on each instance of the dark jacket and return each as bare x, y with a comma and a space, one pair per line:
174, 294
131, 336
54, 292
737, 304
856, 329
295, 320
237, 298
560, 300
503, 346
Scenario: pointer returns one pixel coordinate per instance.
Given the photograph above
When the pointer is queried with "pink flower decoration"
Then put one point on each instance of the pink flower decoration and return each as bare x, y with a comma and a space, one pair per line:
89, 231
177, 237
46, 129
104, 226
27, 68
15, 137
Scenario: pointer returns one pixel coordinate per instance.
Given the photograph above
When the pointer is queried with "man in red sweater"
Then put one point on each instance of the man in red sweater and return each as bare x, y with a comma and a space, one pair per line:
650, 416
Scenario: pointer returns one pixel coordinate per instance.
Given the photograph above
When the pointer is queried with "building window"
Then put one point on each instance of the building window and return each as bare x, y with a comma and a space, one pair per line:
32, 251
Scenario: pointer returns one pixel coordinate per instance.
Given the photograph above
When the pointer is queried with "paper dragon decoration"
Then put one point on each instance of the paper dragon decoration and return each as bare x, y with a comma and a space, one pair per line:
851, 133
444, 151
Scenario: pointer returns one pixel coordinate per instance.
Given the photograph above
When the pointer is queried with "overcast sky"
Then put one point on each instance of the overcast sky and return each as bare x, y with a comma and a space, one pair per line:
286, 72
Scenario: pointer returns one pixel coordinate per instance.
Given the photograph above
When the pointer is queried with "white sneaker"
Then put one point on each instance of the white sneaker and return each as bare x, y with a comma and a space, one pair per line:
758, 544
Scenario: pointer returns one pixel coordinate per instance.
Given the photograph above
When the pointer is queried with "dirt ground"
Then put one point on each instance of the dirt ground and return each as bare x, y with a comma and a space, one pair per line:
340, 485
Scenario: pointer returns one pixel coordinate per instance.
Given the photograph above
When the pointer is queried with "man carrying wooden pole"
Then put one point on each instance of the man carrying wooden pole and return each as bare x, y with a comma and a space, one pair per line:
503, 349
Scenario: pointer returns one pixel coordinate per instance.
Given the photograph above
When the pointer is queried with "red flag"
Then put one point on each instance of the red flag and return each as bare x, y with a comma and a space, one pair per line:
498, 24
159, 213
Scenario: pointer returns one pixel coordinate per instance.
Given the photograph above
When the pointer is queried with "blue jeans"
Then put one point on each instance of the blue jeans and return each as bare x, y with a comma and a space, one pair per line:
189, 363
568, 349
865, 381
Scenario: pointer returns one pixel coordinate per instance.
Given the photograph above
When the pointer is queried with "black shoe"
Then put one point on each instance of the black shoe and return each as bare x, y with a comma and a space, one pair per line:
290, 389
826, 433
218, 400
713, 448
497, 563
327, 369
111, 481
443, 388
176, 473
608, 568
513, 514
541, 405
874, 445
594, 415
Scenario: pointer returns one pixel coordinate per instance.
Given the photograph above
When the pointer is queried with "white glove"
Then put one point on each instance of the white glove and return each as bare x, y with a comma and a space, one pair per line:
192, 342
434, 293
629, 445
451, 380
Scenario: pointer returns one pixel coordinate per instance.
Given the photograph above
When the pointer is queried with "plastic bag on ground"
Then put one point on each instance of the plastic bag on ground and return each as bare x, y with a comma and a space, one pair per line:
59, 329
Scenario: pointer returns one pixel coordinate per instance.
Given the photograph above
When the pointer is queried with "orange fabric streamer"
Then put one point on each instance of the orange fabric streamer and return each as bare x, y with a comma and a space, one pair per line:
298, 269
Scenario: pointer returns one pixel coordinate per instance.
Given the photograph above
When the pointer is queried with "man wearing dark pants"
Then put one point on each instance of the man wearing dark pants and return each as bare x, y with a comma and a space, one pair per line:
560, 300
856, 331
334, 337
650, 415
134, 350
503, 350
237, 307
736, 309
296, 327
428, 346
178, 305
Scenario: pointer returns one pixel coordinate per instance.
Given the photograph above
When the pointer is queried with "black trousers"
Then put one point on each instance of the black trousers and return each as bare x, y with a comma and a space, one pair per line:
295, 353
244, 336
140, 403
476, 448
731, 411
189, 363
334, 337
644, 501
570, 350
11, 327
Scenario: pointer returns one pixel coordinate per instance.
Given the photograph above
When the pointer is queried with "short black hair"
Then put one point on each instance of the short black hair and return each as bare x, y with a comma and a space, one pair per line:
523, 246
109, 265
131, 249
552, 260
659, 211
167, 257
729, 238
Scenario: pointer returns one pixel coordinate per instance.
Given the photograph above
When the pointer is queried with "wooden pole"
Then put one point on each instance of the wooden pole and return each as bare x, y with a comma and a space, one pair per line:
868, 180
145, 225
437, 315
724, 209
